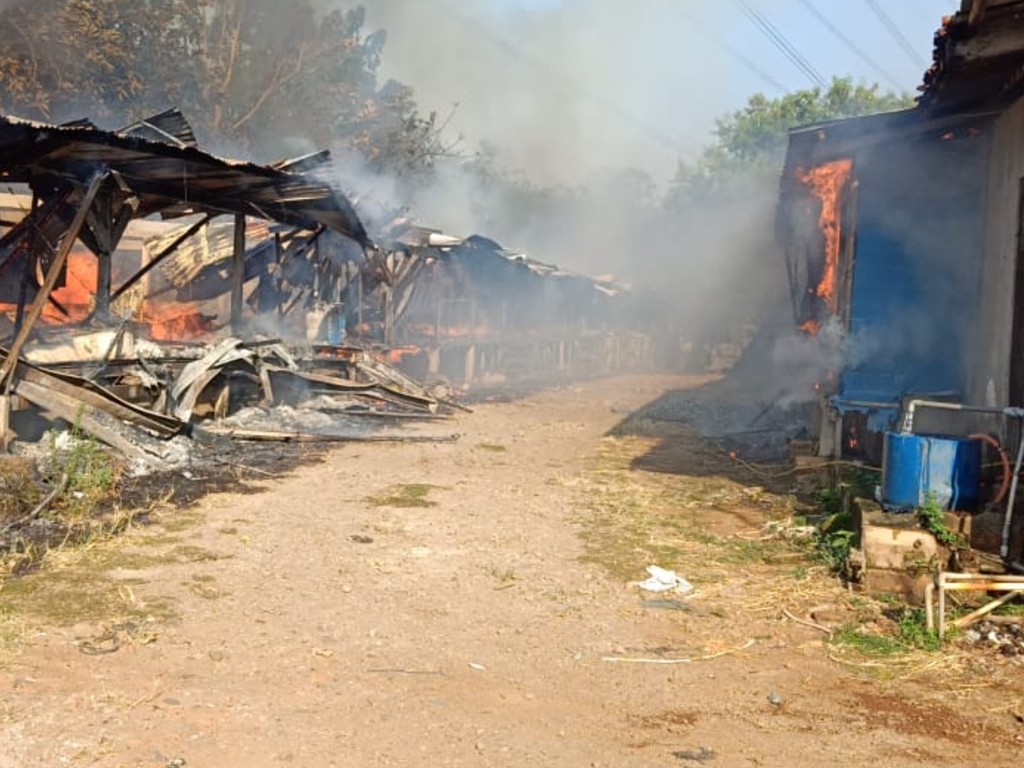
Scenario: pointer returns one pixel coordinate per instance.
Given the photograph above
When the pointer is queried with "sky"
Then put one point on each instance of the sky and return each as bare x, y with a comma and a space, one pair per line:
564, 89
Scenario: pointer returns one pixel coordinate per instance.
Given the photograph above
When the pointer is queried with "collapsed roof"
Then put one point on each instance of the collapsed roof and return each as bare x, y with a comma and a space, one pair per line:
158, 163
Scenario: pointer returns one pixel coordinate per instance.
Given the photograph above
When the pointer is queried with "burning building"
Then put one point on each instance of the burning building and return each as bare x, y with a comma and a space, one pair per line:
901, 231
902, 235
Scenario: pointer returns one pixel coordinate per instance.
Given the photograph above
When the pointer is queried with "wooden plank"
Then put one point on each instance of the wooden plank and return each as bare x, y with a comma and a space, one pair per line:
85, 417
160, 257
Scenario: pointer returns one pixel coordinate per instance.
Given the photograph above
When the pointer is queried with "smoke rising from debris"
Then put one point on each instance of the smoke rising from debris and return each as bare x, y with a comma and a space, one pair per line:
580, 111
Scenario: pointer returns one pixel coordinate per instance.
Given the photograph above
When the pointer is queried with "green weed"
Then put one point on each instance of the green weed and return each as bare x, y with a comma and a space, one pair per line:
493, 447
933, 519
405, 496
910, 635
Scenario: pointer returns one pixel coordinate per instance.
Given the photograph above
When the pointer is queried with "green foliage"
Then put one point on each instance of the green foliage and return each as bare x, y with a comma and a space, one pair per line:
933, 519
90, 471
910, 635
255, 76
750, 143
834, 546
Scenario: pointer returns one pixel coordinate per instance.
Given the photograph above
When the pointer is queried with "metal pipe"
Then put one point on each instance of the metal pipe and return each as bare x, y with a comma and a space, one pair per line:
913, 405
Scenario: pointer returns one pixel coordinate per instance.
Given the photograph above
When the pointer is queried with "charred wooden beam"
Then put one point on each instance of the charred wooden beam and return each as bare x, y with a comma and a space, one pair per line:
977, 12
160, 257
50, 281
238, 275
309, 437
91, 395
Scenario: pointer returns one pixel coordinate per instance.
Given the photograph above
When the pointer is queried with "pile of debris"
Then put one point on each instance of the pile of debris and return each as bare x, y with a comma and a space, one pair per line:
146, 406
1007, 638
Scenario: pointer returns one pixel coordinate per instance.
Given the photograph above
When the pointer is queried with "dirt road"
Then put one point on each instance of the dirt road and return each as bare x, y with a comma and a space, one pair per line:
456, 605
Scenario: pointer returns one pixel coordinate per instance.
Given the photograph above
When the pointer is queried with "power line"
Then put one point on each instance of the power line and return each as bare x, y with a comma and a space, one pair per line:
779, 40
736, 54
850, 44
894, 31
513, 50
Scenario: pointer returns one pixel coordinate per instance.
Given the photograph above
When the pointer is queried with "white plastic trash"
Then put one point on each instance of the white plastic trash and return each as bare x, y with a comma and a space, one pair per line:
664, 580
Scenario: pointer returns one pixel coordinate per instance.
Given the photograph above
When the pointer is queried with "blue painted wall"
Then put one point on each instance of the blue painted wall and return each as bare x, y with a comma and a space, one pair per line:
915, 274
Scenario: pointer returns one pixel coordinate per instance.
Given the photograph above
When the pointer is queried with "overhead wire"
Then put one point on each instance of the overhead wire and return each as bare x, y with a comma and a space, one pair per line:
896, 34
513, 50
769, 30
843, 38
738, 55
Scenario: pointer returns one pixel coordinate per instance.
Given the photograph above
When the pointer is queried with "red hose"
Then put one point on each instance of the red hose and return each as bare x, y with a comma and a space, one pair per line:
1003, 459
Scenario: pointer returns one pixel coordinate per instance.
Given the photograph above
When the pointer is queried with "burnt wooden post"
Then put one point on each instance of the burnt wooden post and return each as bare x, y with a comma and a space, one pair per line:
237, 275
389, 318
7, 368
106, 222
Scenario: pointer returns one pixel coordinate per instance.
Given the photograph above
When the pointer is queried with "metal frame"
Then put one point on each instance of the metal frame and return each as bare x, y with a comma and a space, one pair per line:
968, 582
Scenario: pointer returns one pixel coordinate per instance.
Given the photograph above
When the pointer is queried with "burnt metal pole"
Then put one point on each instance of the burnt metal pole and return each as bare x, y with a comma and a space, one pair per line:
238, 275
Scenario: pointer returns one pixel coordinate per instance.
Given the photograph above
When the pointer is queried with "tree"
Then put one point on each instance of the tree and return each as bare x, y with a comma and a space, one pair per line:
258, 77
751, 142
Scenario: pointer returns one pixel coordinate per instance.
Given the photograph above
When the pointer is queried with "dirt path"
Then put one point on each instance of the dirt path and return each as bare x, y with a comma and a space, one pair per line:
429, 605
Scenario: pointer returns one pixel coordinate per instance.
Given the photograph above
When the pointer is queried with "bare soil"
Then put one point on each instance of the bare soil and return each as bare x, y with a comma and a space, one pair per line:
471, 604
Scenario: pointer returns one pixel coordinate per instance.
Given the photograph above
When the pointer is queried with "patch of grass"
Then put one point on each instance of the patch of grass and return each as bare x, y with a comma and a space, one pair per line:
181, 521
19, 490
67, 596
834, 540
188, 553
635, 520
405, 495
933, 520
505, 576
493, 447
909, 635
90, 471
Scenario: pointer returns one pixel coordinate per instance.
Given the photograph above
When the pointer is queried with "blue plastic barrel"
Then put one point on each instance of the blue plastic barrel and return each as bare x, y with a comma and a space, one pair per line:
915, 467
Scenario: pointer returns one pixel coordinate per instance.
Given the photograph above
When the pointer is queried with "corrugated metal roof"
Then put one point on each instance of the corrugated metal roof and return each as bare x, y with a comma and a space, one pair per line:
157, 161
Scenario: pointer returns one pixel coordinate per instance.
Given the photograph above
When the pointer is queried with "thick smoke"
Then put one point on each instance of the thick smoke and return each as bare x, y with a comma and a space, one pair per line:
563, 89
582, 109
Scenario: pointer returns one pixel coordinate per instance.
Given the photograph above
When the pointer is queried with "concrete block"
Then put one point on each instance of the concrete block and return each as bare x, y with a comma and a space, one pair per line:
907, 585
907, 549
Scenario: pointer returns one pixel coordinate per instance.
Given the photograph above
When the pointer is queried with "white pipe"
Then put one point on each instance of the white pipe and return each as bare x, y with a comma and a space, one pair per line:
1004, 550
1012, 412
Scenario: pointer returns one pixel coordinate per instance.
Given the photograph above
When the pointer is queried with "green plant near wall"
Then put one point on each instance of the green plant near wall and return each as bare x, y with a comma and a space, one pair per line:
933, 519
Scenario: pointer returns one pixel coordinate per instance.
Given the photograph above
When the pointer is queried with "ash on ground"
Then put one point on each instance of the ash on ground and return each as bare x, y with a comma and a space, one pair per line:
754, 410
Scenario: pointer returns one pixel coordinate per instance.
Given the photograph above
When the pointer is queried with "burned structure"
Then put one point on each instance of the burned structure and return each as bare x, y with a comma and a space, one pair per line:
144, 281
906, 268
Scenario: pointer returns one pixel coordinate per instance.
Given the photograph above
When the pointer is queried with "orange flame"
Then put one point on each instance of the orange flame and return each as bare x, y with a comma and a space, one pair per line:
174, 321
167, 320
826, 182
